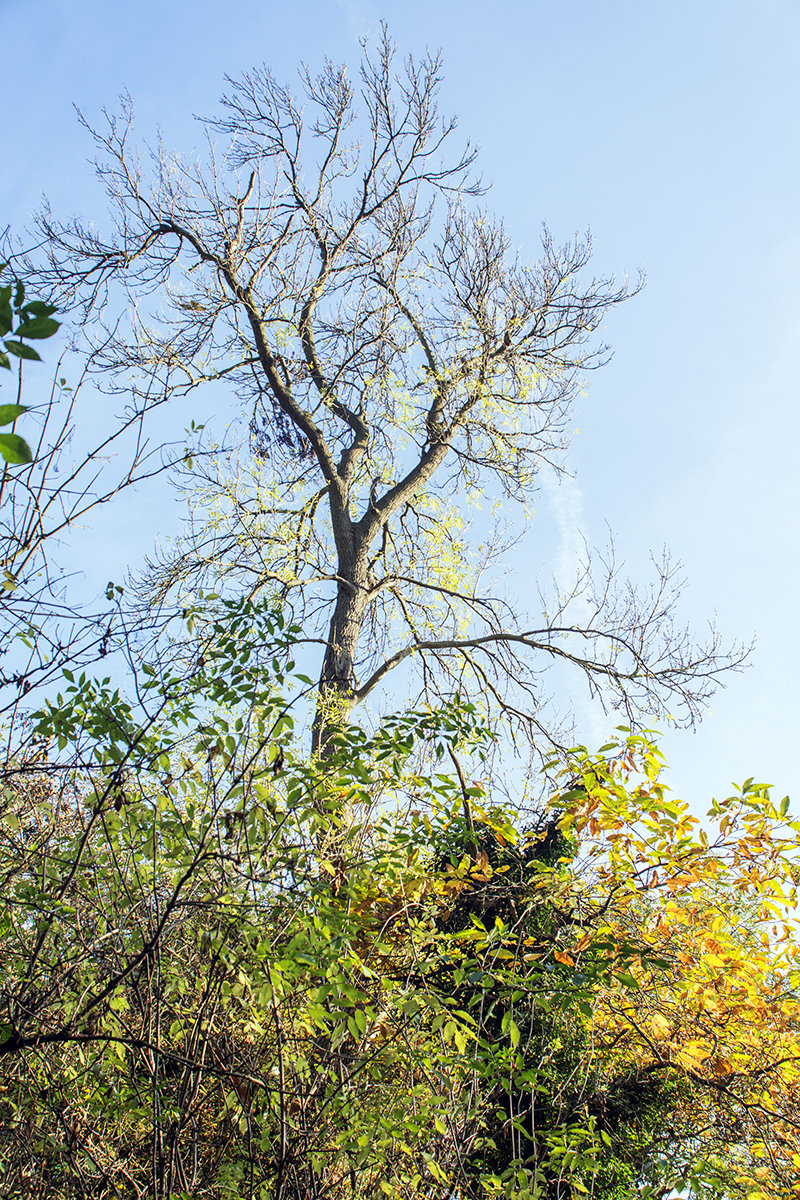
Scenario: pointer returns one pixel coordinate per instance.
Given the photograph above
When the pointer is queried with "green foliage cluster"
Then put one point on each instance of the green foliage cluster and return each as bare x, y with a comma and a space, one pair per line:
229, 970
34, 320
196, 1000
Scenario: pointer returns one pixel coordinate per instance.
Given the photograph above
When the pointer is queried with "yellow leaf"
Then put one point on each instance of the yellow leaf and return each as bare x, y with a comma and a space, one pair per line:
692, 1054
660, 1026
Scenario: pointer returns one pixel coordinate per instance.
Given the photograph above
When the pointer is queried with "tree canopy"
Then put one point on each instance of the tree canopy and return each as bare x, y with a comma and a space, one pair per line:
399, 363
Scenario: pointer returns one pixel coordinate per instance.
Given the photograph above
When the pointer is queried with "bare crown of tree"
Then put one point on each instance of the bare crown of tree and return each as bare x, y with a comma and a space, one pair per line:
398, 359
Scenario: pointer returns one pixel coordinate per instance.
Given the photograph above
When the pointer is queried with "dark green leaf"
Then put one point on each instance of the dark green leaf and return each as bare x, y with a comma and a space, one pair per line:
4, 361
22, 351
19, 294
14, 449
6, 316
39, 327
38, 308
10, 412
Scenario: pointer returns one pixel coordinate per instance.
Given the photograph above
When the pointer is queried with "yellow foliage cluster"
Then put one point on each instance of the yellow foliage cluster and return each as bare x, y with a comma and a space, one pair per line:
705, 928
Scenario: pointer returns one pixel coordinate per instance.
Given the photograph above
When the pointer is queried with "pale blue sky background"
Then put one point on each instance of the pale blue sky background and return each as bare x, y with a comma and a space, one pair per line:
672, 130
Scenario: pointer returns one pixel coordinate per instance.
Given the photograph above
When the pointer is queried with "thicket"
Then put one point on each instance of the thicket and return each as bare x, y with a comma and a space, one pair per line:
230, 969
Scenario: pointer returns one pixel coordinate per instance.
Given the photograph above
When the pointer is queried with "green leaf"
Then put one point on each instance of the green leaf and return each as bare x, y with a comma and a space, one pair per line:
39, 327
22, 351
6, 316
436, 1171
10, 412
38, 308
14, 449
4, 361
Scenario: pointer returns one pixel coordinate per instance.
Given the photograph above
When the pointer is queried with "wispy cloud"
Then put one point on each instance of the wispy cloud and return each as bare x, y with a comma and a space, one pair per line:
361, 17
565, 501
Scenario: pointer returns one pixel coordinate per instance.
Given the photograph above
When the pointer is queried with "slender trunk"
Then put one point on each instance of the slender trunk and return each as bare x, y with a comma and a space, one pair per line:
335, 699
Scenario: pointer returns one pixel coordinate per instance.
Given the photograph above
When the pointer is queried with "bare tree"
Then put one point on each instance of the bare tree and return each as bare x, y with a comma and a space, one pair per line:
399, 361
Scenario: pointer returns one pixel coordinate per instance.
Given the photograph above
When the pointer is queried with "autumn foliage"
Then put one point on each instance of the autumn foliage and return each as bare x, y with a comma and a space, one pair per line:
229, 970
704, 920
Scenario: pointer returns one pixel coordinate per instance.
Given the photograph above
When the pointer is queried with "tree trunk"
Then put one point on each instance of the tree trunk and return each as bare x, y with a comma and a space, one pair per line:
336, 698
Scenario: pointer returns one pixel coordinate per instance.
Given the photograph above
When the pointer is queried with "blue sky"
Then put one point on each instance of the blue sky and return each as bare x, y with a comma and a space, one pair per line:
671, 130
